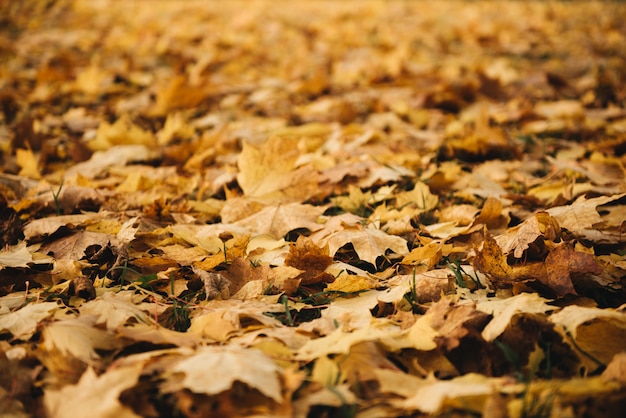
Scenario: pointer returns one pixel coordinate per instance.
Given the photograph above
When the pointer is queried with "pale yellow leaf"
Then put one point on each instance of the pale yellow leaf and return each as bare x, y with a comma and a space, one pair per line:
468, 392
23, 322
227, 365
600, 333
582, 214
369, 243
503, 311
78, 337
15, 257
95, 396
340, 341
325, 372
217, 325
116, 309
278, 220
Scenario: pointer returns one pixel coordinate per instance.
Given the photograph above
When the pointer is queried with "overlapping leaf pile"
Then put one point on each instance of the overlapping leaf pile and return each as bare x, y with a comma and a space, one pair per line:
312, 209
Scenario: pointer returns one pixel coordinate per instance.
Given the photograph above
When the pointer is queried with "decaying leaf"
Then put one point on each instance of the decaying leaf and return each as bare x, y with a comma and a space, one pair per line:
215, 284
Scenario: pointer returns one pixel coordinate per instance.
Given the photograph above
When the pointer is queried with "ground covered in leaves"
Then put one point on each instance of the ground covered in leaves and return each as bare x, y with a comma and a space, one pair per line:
372, 209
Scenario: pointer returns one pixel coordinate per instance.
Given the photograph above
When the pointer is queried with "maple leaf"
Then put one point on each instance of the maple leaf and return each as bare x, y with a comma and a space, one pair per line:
491, 261
77, 337
368, 242
115, 156
582, 214
563, 263
231, 364
426, 287
28, 163
114, 309
269, 172
360, 363
23, 322
97, 394
503, 310
519, 238
280, 219
311, 259
597, 334
420, 198
463, 391
340, 341
20, 257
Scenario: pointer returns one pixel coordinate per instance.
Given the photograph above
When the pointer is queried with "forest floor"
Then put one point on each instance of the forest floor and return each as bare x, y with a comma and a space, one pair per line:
324, 209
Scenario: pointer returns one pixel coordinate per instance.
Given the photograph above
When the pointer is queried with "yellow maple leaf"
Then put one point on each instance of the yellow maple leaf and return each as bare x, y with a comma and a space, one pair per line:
97, 394
269, 172
29, 166
229, 364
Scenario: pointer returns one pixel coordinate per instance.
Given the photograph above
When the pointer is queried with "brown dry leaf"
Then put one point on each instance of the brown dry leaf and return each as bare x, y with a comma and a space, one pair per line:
491, 215
73, 246
563, 264
15, 257
241, 271
188, 141
219, 325
97, 394
420, 198
427, 286
115, 156
352, 312
616, 370
114, 310
157, 335
520, 237
340, 342
311, 260
360, 364
454, 322
491, 261
122, 132
178, 93
47, 226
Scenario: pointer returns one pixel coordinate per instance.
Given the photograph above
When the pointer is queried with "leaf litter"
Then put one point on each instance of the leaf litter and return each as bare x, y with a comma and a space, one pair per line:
395, 209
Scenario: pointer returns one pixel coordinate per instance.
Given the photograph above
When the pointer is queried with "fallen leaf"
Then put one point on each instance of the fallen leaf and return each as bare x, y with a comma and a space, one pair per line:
23, 322
230, 364
97, 394
369, 243
598, 334
563, 264
469, 392
581, 214
269, 172
503, 310
278, 220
